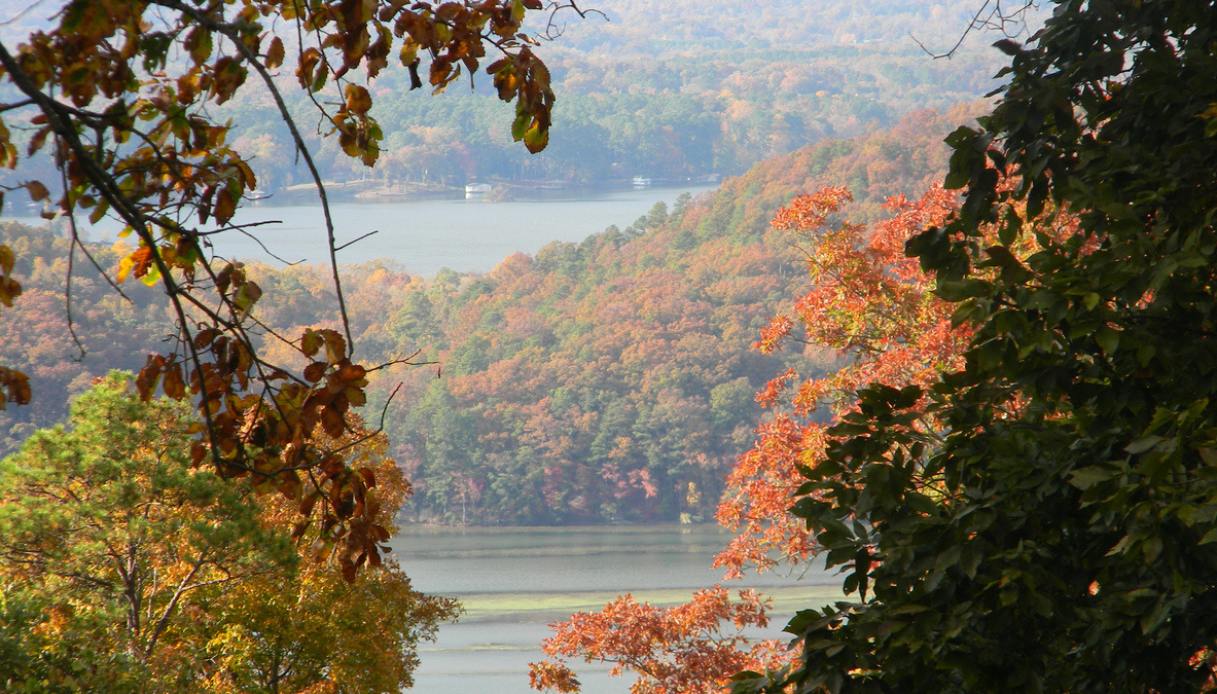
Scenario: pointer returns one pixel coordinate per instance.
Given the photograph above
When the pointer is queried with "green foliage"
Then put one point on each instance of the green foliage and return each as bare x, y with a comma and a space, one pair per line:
106, 535
124, 568
1059, 537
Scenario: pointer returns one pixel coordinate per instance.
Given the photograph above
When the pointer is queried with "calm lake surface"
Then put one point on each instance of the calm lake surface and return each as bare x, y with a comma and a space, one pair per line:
515, 581
424, 236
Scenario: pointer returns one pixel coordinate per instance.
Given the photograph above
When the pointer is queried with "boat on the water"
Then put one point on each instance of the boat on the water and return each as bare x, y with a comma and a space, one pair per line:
477, 190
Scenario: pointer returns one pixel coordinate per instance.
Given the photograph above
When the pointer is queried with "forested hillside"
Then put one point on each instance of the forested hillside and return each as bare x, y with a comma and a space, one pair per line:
609, 380
949, 363
668, 90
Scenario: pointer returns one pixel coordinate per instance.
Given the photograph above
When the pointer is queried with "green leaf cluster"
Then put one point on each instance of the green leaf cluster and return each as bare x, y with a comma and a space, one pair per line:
1057, 533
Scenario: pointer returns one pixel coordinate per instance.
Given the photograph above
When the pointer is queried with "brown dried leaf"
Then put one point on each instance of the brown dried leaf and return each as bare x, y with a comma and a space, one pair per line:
315, 372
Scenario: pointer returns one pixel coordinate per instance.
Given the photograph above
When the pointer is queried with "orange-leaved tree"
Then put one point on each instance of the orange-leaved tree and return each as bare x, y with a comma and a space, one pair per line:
869, 314
871, 310
673, 649
119, 96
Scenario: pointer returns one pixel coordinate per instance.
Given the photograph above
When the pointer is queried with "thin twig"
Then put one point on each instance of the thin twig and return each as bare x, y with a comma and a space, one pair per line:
354, 241
409, 361
22, 13
16, 104
237, 227
267, 250
67, 285
97, 266
553, 31
380, 427
1004, 19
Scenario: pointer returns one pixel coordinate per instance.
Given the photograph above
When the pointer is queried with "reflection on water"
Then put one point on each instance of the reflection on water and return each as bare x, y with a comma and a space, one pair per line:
514, 581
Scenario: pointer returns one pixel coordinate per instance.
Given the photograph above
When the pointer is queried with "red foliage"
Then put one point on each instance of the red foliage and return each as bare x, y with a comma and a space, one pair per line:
875, 309
677, 649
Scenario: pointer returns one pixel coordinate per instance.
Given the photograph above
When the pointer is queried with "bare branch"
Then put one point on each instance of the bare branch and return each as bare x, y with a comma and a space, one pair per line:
67, 284
357, 240
16, 105
553, 30
990, 16
266, 250
97, 266
24, 11
379, 427
182, 587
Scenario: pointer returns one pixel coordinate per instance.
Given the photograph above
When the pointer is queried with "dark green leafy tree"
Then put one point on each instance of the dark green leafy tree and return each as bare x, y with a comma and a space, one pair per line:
1057, 533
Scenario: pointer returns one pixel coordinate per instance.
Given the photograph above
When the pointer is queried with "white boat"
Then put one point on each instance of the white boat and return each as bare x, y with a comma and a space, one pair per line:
477, 190
642, 182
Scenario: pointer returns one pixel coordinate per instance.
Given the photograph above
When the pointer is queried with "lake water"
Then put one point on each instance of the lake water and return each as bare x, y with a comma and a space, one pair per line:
424, 236
513, 582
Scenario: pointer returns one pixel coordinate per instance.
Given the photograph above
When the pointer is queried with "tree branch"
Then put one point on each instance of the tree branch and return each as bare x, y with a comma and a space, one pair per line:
1002, 21
301, 148
182, 587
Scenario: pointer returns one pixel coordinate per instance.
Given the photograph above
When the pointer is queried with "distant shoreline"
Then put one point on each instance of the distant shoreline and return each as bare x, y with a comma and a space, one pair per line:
528, 191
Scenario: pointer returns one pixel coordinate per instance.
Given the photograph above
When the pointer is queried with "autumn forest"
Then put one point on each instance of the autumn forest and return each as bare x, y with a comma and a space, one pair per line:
914, 394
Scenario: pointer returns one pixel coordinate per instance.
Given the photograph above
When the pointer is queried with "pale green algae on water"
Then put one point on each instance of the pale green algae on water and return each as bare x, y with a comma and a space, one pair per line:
513, 582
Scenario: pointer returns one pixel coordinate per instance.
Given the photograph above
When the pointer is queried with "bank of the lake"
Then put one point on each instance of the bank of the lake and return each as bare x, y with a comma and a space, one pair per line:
515, 581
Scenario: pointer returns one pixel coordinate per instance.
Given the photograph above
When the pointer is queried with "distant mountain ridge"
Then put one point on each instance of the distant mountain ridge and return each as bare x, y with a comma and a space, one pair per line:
668, 90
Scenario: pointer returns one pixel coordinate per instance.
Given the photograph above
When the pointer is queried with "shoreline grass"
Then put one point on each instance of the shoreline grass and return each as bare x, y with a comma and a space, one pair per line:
504, 606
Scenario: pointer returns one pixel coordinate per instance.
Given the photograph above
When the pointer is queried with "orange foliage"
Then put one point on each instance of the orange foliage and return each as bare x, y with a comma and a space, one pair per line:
873, 307
677, 649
